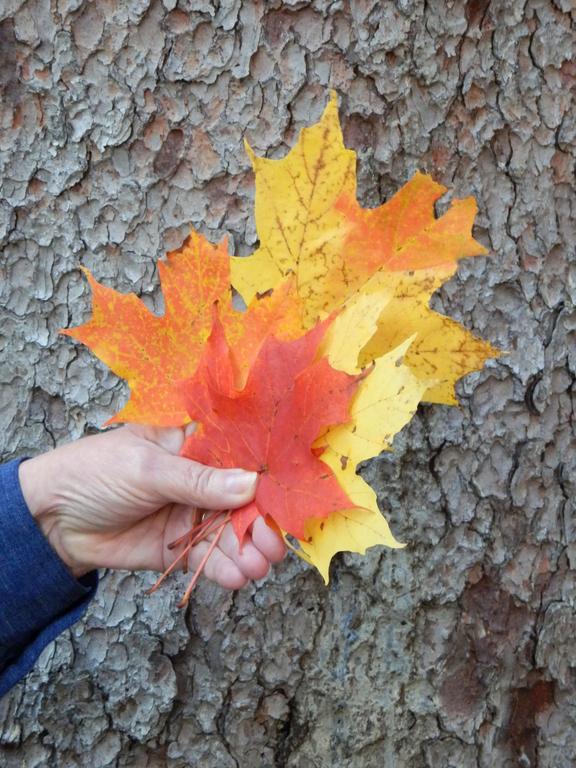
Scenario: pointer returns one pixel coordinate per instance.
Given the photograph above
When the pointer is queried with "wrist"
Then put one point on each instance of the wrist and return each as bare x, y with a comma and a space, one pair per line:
38, 482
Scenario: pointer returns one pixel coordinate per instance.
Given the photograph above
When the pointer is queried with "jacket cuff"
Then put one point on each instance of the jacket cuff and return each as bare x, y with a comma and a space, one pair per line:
39, 596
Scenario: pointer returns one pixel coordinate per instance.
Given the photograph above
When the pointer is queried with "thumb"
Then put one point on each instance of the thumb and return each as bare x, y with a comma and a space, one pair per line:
187, 482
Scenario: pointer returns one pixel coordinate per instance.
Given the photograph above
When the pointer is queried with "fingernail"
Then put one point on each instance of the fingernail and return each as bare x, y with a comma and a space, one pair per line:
239, 481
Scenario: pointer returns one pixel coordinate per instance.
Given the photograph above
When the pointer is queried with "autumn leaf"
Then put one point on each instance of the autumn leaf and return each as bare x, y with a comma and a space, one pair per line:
269, 426
404, 249
404, 234
153, 353
384, 402
301, 231
310, 225
461, 351
354, 530
350, 333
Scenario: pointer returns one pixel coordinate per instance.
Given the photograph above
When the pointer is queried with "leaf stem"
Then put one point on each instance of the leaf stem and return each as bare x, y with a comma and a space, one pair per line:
203, 562
212, 523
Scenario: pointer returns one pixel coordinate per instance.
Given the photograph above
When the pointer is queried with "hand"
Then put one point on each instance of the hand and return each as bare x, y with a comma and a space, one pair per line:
117, 500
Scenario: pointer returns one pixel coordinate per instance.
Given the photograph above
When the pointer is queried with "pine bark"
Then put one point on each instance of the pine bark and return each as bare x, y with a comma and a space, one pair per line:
121, 125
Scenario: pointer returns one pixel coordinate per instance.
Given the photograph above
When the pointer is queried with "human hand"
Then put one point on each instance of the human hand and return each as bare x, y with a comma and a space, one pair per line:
118, 499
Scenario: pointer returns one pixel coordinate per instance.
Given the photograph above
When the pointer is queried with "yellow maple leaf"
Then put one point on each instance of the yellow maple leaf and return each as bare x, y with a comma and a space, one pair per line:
354, 530
348, 530
353, 328
384, 402
310, 225
462, 352
300, 229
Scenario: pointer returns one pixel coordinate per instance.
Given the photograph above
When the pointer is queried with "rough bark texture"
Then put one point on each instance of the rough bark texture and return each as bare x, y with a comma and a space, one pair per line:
121, 124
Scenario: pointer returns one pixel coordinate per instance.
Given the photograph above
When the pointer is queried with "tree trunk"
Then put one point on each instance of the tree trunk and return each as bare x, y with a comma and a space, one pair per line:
121, 125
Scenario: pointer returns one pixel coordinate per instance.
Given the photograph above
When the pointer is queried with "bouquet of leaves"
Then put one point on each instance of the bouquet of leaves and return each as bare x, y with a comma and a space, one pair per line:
334, 351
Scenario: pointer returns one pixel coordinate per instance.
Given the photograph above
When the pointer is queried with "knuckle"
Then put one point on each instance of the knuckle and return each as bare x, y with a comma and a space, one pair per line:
145, 465
200, 479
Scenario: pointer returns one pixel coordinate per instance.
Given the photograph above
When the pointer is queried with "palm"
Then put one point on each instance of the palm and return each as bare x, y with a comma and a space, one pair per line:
140, 544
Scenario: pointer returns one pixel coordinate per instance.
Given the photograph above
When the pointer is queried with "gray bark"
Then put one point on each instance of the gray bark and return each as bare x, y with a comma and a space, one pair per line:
121, 124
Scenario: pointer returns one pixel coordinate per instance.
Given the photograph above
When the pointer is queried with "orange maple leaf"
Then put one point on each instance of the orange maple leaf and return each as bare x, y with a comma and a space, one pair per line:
270, 425
404, 233
153, 353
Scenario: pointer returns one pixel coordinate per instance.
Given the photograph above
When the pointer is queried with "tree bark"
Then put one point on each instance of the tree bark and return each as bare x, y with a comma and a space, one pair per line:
121, 125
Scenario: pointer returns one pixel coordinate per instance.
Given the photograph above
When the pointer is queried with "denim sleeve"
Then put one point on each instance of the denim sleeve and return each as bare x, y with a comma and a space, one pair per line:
39, 597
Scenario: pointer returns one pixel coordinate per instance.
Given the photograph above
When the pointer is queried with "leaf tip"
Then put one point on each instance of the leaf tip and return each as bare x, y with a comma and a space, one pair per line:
250, 152
87, 274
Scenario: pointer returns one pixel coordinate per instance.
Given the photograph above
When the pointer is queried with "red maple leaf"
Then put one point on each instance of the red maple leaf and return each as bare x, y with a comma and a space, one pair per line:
270, 425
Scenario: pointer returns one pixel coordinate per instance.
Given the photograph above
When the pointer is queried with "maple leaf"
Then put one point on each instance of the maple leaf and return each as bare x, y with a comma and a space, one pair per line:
403, 248
270, 424
310, 225
350, 333
354, 530
384, 402
404, 233
300, 230
462, 352
153, 353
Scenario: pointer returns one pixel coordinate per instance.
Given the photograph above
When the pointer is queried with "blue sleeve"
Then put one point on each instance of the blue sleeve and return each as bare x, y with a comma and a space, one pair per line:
39, 597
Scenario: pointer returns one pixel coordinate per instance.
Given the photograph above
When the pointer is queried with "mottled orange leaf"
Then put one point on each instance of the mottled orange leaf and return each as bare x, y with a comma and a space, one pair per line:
404, 233
152, 353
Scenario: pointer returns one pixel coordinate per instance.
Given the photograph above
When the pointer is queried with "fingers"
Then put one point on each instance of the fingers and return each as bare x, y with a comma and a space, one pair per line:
254, 560
219, 568
231, 567
270, 543
188, 482
251, 561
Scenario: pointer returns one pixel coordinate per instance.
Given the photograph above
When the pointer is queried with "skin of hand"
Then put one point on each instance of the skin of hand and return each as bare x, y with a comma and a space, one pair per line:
117, 499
